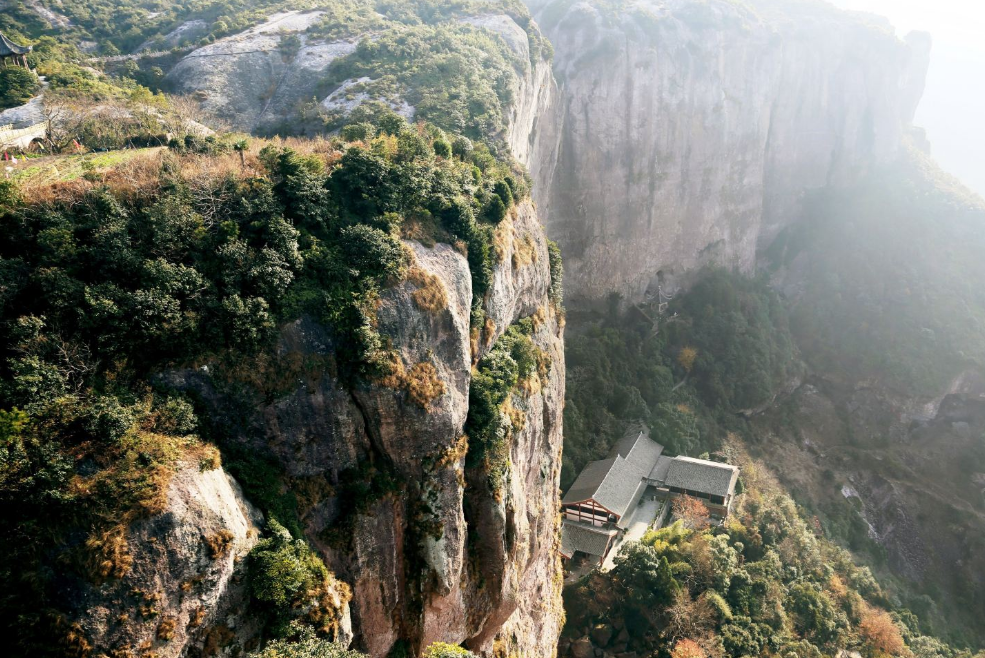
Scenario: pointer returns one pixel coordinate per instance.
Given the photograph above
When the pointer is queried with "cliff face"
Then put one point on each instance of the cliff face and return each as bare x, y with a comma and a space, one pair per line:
431, 552
691, 130
183, 587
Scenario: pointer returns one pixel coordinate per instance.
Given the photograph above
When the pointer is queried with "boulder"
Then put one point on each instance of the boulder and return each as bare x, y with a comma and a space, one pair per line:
602, 635
582, 648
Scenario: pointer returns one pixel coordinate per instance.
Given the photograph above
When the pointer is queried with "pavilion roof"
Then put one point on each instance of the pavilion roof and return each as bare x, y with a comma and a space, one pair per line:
8, 47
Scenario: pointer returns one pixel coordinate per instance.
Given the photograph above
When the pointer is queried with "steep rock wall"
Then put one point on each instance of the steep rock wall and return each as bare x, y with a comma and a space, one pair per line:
179, 593
431, 553
692, 129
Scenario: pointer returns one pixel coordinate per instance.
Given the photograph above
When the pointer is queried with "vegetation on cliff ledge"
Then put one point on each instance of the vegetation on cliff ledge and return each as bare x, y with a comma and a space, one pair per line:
179, 258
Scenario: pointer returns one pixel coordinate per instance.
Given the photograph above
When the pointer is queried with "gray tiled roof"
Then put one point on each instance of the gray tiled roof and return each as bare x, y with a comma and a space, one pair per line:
588, 481
614, 483
8, 47
629, 439
584, 538
659, 473
701, 476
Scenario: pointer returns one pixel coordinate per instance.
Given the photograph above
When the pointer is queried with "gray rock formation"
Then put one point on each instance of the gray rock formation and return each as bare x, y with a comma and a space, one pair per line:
430, 552
534, 120
251, 82
249, 79
691, 130
183, 585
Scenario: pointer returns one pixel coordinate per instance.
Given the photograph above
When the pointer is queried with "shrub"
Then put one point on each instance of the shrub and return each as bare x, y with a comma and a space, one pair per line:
495, 210
106, 420
687, 648
176, 416
556, 291
462, 148
17, 86
305, 643
505, 193
363, 185
645, 576
444, 650
442, 148
880, 632
743, 637
279, 567
391, 123
219, 543
816, 617
371, 252
493, 379
721, 607
358, 132
287, 579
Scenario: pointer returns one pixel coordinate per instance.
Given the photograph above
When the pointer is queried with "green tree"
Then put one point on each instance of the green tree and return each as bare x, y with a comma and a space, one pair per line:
17, 86
743, 637
363, 185
305, 643
816, 618
646, 577
371, 252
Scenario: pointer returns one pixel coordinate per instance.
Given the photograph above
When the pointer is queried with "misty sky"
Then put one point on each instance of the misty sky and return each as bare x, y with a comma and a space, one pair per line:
953, 107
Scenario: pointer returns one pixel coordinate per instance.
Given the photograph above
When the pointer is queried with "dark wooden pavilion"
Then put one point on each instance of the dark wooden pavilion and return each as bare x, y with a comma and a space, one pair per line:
11, 51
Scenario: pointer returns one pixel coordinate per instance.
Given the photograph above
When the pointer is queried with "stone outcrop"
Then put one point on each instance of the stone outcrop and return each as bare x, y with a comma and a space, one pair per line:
380, 469
534, 120
432, 554
183, 588
253, 80
691, 130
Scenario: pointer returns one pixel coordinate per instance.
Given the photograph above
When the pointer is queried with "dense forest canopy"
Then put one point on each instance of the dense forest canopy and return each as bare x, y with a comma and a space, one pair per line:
722, 347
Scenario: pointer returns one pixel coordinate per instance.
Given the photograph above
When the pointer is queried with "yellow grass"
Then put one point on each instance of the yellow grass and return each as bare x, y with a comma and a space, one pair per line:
219, 543
524, 251
421, 382
430, 294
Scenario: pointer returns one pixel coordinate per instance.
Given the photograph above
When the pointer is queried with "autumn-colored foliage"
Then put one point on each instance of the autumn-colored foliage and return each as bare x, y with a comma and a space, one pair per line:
692, 512
686, 358
687, 648
880, 632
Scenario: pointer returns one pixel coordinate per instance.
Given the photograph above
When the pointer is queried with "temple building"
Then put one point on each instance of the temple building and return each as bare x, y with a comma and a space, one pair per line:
10, 51
598, 508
